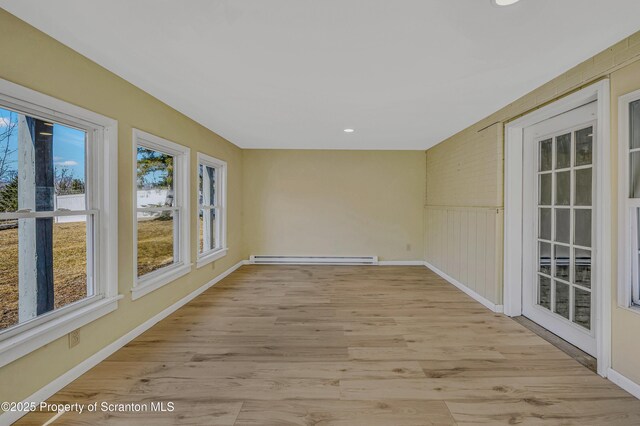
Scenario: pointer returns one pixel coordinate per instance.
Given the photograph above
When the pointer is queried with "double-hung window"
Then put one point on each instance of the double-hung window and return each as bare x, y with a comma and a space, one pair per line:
212, 178
58, 219
629, 183
161, 220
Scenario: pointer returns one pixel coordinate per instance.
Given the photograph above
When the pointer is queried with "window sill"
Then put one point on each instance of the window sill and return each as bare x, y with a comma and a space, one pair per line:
210, 257
23, 343
150, 283
632, 308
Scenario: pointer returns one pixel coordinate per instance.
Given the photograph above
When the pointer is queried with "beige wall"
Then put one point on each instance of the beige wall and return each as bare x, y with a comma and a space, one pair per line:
474, 157
34, 60
306, 202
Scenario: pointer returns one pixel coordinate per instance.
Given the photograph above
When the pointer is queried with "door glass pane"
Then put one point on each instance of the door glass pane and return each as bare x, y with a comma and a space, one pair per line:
584, 146
544, 260
634, 124
561, 259
562, 299
545, 189
546, 155
582, 268
545, 224
583, 187
563, 151
544, 292
582, 307
563, 188
154, 178
634, 175
563, 226
582, 236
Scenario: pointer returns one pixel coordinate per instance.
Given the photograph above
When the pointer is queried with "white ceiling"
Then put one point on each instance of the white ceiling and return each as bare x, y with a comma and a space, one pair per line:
405, 74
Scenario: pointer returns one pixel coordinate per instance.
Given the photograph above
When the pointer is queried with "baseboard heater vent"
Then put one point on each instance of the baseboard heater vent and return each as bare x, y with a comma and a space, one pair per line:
314, 260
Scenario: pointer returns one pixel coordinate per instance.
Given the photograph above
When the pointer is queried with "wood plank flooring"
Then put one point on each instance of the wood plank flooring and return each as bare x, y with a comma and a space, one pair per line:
344, 345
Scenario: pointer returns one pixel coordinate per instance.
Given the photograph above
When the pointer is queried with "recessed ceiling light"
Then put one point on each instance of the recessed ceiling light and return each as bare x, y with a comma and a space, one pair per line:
349, 130
504, 2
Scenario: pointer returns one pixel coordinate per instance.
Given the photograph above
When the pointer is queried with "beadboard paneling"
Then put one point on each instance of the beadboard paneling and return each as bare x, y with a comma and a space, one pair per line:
466, 243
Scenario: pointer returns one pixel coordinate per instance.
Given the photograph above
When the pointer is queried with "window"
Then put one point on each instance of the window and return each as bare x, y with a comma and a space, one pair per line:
212, 177
161, 222
58, 182
629, 181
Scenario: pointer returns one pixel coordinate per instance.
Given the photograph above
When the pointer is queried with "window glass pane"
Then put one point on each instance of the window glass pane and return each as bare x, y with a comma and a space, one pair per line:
582, 308
563, 227
155, 241
561, 260
51, 173
582, 236
208, 230
634, 175
545, 189
562, 299
70, 260
545, 224
582, 268
42, 168
207, 176
544, 292
154, 178
8, 273
583, 187
544, 260
584, 146
563, 151
546, 155
52, 265
634, 124
563, 188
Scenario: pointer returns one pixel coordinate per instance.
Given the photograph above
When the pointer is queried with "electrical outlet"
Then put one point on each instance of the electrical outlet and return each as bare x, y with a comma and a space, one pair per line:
408, 247
74, 338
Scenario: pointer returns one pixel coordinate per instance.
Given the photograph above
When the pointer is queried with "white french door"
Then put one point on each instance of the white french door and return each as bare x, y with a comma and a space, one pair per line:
558, 225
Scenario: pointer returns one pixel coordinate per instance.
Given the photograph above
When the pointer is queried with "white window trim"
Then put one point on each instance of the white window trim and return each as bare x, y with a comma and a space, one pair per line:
221, 182
627, 245
25, 338
161, 277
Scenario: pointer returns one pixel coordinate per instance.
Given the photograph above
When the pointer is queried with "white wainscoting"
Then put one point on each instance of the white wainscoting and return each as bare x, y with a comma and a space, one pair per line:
466, 244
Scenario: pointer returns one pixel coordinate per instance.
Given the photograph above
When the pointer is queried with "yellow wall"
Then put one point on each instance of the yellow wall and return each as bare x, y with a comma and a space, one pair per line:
32, 59
475, 158
346, 203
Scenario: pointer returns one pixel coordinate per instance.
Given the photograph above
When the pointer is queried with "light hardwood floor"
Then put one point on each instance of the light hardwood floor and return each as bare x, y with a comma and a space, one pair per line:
322, 345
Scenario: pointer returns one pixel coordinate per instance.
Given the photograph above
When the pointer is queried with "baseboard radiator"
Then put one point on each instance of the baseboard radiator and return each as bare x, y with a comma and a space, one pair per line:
313, 260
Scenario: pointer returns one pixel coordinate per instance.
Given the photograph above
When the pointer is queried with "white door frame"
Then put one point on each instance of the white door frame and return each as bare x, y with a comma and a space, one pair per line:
513, 196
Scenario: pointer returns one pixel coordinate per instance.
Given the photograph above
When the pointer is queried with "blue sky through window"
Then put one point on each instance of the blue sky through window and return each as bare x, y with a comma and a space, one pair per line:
68, 145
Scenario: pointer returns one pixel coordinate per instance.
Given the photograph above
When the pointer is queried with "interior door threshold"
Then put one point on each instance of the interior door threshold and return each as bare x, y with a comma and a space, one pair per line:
576, 353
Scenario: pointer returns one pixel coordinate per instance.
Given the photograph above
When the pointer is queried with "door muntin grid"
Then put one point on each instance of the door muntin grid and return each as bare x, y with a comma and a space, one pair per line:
564, 221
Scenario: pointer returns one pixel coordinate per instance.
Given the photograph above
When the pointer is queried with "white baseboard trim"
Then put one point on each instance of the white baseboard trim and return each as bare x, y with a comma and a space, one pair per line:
624, 382
486, 302
50, 389
401, 263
